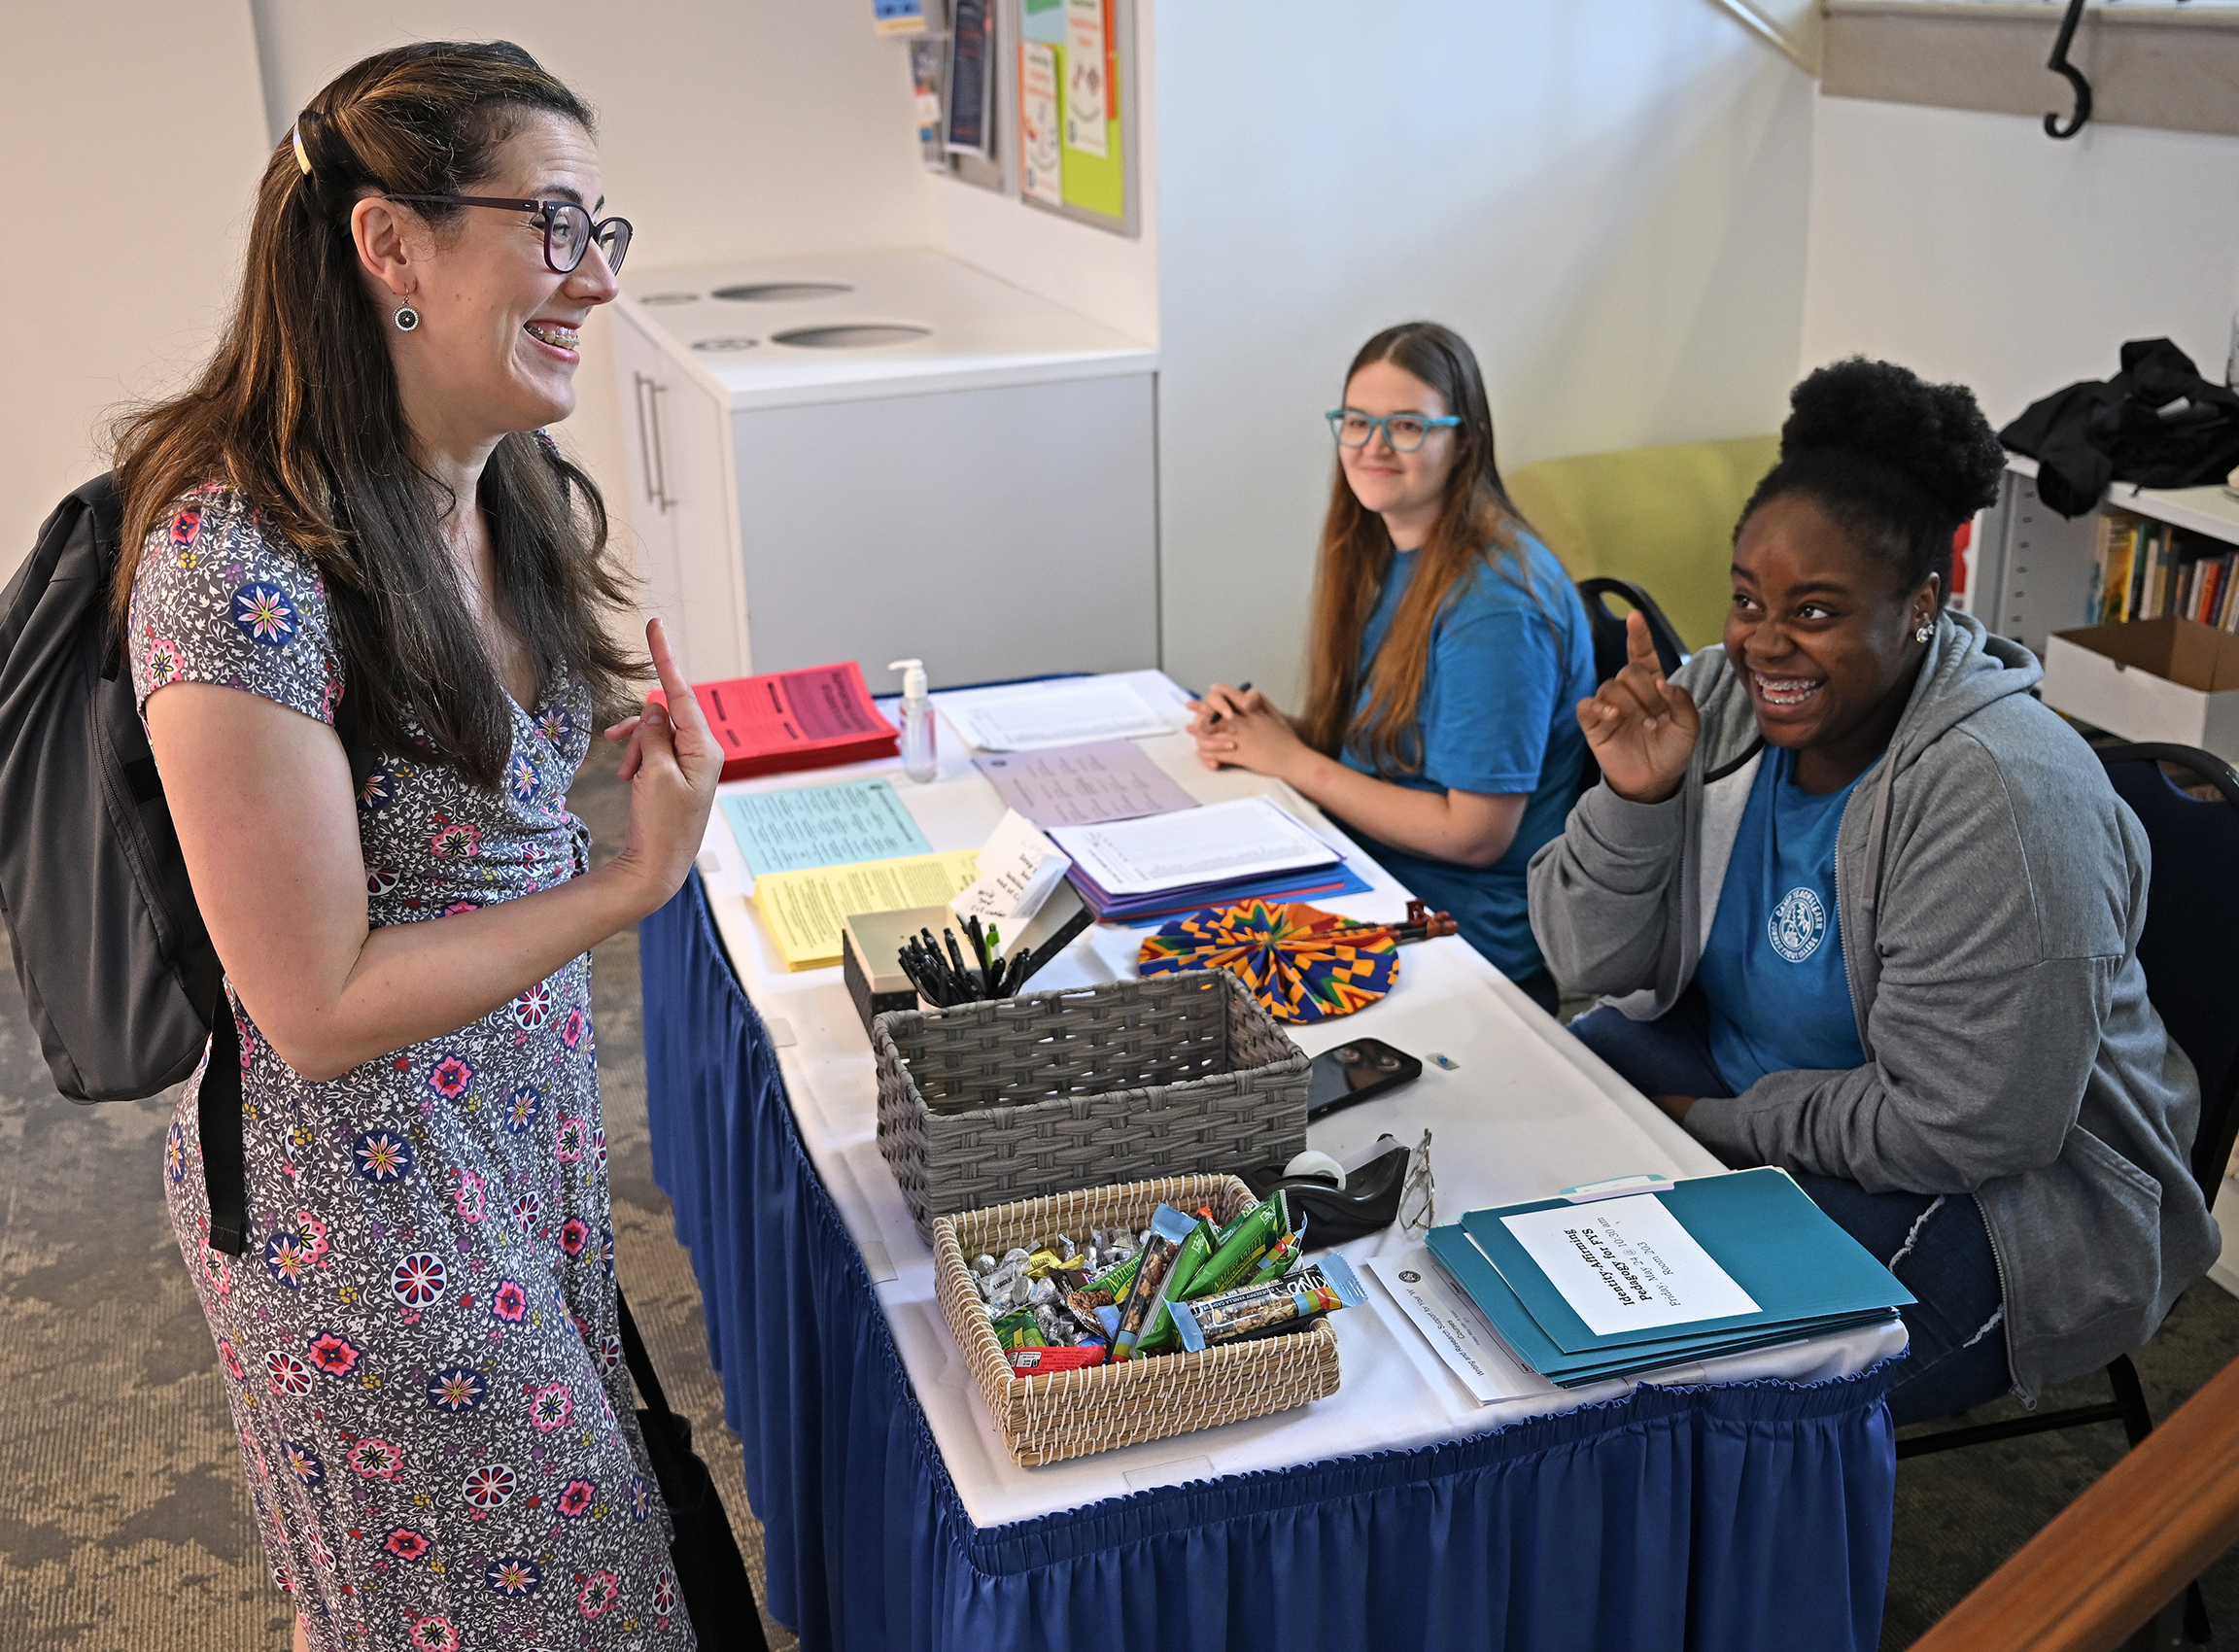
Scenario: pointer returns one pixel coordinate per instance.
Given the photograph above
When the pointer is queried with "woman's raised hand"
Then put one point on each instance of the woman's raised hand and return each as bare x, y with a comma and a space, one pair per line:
1641, 728
672, 765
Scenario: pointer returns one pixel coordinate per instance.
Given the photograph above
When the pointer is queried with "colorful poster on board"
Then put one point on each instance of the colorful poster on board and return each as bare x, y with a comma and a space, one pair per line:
1088, 83
1039, 174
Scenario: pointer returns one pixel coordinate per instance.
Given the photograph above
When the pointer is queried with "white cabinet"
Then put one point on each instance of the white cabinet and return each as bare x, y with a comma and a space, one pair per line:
683, 504
977, 488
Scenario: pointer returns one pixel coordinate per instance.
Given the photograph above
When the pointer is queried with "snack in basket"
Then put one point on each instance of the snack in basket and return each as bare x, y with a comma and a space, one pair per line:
1041, 1362
1241, 1246
1280, 1260
1019, 1328
1189, 1262
1147, 1291
1235, 1315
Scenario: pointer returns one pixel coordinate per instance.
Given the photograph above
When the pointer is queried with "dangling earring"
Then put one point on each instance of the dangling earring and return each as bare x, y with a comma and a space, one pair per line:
406, 317
1923, 634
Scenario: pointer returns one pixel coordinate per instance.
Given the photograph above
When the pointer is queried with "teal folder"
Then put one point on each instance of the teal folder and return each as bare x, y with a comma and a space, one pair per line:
1808, 1277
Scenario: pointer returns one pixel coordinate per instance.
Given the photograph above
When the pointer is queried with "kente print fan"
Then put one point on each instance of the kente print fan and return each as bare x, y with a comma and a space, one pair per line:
1303, 964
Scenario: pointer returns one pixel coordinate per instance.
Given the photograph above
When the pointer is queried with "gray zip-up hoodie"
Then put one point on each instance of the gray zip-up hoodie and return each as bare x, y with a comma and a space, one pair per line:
1989, 887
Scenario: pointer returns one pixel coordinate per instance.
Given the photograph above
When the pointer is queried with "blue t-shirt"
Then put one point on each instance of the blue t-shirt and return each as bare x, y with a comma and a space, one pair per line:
1497, 716
1772, 970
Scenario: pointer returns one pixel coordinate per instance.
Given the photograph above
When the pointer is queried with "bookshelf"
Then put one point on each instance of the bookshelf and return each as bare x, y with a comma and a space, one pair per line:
2030, 570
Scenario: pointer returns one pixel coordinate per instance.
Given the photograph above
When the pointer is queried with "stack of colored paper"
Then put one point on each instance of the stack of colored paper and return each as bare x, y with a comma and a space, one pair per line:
1588, 1287
817, 718
1131, 870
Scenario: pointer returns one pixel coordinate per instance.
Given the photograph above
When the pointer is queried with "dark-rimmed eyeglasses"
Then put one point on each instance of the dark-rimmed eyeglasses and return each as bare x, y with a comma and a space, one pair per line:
1405, 431
569, 229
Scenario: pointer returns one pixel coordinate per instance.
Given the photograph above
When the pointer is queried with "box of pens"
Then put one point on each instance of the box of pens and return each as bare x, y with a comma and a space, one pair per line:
1196, 1310
1014, 1098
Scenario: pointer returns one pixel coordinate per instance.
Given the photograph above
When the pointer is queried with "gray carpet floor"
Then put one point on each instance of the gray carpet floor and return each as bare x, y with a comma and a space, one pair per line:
125, 1523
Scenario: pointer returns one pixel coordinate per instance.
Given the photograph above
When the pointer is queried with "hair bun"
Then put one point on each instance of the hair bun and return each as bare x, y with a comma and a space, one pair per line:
1934, 433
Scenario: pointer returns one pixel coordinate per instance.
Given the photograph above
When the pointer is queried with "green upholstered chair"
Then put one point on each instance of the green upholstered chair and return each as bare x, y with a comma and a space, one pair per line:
1661, 517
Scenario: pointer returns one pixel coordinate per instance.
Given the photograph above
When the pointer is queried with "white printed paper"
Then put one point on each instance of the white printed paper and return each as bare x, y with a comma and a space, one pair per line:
1628, 1265
1018, 866
1038, 164
1453, 1328
1218, 843
1086, 95
1069, 711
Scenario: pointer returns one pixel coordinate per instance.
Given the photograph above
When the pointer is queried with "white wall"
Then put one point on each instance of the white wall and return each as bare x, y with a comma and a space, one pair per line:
138, 140
1970, 246
728, 129
1608, 202
1109, 278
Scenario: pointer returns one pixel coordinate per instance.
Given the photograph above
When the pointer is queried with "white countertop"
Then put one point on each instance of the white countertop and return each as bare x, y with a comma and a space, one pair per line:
1527, 1111
982, 333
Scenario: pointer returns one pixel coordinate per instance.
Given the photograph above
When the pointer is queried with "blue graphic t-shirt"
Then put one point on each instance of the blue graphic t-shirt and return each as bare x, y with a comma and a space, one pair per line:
1496, 716
1772, 970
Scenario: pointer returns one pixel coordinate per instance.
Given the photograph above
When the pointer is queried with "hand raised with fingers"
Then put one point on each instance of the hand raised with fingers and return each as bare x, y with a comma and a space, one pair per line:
672, 765
1640, 726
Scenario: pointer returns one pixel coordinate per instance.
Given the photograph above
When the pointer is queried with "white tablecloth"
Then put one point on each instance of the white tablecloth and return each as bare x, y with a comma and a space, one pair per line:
1525, 1111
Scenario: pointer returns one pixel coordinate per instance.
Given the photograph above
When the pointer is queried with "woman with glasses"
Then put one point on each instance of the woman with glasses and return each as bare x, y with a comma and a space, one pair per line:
1445, 651
366, 605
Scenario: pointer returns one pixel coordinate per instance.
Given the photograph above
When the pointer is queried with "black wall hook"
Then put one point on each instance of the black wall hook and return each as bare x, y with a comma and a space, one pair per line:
2059, 63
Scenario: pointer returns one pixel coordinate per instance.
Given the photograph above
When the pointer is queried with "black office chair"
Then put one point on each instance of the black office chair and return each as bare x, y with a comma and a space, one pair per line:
1610, 651
1608, 628
2191, 914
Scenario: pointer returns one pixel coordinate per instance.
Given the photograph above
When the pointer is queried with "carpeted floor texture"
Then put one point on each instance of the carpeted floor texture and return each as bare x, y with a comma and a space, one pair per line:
124, 1519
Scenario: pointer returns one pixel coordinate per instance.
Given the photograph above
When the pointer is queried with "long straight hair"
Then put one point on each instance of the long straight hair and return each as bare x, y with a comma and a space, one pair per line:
298, 412
1477, 523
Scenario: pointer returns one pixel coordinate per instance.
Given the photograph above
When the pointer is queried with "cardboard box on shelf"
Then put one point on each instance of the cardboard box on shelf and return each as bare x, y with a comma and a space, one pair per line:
2161, 679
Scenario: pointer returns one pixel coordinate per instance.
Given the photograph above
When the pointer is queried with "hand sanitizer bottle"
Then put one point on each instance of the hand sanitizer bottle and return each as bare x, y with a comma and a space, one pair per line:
918, 760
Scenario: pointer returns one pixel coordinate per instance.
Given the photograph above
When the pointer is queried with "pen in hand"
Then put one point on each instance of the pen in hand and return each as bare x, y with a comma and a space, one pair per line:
1214, 721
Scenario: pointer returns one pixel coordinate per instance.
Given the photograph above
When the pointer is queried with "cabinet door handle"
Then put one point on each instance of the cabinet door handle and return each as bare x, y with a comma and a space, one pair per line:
654, 390
639, 385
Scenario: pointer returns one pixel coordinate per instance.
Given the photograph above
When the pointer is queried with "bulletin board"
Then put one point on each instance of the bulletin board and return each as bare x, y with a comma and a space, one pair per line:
1073, 106
1040, 142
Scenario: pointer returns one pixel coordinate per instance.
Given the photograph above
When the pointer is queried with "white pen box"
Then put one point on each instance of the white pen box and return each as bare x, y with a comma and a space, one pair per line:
870, 958
2160, 679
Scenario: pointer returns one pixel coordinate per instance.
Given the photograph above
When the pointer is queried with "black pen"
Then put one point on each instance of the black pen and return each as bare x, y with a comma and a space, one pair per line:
1244, 687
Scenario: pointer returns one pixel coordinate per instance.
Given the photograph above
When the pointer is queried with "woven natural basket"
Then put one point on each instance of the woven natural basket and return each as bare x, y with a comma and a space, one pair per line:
1048, 1419
1049, 1091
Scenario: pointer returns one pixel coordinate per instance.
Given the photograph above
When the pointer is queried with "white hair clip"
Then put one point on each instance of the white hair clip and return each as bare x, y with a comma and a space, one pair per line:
302, 160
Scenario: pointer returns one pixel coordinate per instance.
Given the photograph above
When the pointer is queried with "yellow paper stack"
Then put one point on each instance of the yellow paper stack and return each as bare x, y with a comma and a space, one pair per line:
804, 911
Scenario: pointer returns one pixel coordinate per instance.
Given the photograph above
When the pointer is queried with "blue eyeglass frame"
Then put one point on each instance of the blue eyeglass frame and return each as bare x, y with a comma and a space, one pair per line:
1428, 424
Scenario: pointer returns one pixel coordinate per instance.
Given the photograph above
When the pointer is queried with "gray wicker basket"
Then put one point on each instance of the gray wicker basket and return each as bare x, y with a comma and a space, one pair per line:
1052, 1092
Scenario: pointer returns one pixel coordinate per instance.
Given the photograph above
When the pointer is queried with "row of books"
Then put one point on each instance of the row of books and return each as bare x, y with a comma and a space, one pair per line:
2146, 568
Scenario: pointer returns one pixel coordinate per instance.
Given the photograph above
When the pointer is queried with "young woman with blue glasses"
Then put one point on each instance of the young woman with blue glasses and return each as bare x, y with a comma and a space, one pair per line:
1446, 649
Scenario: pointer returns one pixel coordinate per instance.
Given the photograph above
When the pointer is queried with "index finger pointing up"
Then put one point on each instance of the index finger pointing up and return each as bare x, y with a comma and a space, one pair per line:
1639, 648
684, 706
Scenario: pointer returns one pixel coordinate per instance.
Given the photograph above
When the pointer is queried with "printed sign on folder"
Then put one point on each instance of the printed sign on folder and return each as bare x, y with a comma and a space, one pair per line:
1626, 1264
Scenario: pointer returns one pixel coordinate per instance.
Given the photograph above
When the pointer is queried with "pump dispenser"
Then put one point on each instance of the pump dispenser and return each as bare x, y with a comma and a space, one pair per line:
918, 759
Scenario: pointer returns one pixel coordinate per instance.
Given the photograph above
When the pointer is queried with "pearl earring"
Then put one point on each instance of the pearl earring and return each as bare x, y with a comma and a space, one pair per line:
406, 317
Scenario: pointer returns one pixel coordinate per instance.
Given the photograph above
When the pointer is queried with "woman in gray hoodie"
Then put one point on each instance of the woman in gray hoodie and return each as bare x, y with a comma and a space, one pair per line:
1867, 911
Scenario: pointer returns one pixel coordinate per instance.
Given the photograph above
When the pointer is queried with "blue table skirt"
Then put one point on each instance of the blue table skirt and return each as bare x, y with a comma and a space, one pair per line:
1733, 1517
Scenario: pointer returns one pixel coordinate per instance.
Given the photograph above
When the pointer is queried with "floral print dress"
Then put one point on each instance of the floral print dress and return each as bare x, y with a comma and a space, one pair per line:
420, 1344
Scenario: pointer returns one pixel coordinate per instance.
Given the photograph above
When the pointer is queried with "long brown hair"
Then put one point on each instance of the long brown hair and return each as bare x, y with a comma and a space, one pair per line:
298, 412
1477, 524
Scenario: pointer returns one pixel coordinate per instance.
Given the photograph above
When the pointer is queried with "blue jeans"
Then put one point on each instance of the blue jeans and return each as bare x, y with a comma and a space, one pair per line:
1934, 1243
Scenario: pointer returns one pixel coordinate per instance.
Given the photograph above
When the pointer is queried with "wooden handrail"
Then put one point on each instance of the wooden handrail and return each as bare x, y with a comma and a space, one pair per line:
2110, 1560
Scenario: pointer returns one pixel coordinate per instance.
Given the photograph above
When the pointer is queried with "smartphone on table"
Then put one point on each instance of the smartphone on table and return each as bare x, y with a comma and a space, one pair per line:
1356, 1070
